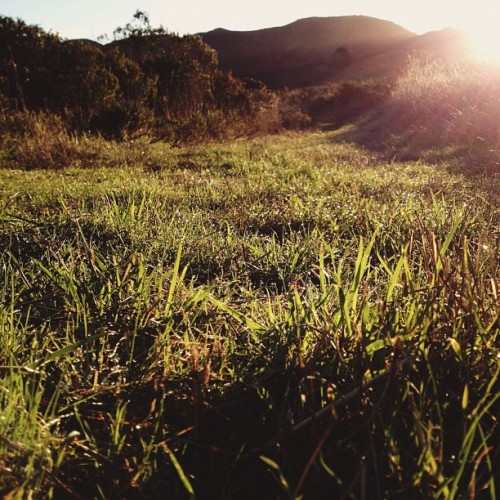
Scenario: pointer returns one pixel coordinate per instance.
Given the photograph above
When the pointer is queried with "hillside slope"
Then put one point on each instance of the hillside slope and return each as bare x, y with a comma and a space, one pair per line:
316, 50
448, 43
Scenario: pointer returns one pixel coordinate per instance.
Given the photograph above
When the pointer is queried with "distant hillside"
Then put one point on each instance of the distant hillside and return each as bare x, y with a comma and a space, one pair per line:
316, 50
304, 52
445, 44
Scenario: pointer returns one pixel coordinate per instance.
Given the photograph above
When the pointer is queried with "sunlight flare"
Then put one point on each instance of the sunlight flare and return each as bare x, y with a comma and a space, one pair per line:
485, 39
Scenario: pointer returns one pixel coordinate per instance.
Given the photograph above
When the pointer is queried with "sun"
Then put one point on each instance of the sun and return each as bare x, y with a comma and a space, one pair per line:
485, 45
484, 38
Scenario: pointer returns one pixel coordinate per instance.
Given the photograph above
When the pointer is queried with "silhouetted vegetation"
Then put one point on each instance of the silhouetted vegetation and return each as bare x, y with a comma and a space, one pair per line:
147, 80
349, 101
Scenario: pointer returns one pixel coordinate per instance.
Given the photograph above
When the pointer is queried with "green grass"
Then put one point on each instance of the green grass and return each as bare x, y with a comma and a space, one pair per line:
181, 319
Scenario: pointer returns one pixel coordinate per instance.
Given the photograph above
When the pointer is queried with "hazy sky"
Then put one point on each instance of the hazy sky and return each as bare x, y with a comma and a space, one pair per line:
91, 18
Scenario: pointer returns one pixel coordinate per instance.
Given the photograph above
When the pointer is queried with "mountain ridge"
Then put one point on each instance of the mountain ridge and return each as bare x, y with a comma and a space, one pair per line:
305, 52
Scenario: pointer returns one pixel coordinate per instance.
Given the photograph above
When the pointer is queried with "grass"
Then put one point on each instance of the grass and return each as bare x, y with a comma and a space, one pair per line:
441, 110
289, 316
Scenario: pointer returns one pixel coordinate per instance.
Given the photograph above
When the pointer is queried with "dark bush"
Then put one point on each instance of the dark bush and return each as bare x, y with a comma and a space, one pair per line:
349, 102
146, 82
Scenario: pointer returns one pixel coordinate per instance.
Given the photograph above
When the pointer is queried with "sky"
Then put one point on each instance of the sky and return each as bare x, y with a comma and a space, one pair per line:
91, 18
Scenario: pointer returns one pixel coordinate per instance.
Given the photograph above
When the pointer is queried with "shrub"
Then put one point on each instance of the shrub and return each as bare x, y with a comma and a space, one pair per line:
36, 140
349, 101
147, 83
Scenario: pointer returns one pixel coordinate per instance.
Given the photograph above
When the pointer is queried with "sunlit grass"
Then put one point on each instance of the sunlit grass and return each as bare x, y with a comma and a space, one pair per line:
439, 109
174, 320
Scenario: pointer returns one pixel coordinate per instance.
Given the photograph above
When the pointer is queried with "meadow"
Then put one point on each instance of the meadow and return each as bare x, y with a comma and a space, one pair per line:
290, 316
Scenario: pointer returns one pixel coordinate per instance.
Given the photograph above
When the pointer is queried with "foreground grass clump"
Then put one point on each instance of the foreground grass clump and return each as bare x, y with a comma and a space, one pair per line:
292, 318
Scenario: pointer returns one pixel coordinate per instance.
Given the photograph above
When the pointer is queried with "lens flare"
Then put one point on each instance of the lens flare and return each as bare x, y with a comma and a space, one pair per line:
485, 41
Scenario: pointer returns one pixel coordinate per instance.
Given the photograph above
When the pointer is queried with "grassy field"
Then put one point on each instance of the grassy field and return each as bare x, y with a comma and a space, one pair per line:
287, 316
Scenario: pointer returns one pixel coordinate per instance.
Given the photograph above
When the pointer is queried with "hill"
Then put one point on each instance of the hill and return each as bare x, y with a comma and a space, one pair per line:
444, 44
316, 50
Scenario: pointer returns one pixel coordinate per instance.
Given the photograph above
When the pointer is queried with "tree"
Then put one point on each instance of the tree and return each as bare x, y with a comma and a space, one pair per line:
137, 27
146, 78
26, 55
341, 58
